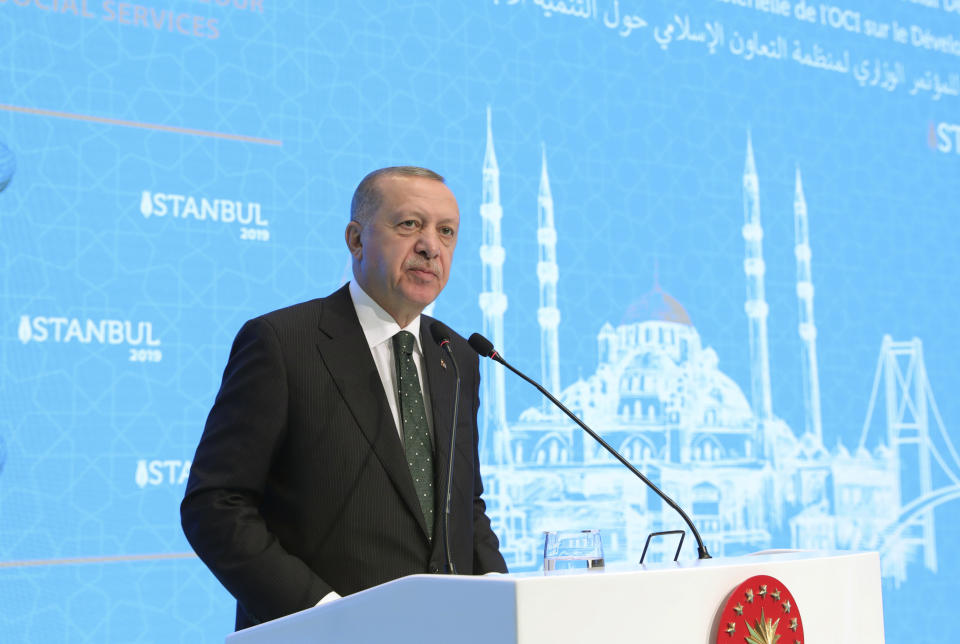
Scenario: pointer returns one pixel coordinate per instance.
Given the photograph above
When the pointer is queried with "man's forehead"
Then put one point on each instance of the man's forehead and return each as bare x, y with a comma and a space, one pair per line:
411, 183
418, 194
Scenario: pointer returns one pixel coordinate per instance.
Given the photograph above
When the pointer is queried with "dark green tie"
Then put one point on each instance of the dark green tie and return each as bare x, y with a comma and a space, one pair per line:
413, 418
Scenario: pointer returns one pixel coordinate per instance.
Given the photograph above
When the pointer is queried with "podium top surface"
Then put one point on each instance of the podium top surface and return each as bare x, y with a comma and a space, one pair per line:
838, 592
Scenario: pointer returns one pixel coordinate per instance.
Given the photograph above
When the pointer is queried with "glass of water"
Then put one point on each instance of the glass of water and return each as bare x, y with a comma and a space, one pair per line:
569, 549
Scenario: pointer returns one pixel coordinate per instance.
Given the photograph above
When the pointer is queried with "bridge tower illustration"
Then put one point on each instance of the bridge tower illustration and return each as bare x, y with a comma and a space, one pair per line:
548, 315
911, 413
493, 304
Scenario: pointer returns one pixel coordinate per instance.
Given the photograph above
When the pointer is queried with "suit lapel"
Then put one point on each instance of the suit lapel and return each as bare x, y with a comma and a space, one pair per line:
343, 348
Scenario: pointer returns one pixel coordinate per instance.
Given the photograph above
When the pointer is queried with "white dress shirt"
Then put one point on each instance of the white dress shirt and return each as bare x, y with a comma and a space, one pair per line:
379, 328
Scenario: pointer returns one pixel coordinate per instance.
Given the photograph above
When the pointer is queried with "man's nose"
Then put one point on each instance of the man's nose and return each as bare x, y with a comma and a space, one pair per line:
428, 243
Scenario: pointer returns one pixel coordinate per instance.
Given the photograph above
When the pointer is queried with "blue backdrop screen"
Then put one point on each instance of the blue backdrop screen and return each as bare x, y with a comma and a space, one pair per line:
723, 232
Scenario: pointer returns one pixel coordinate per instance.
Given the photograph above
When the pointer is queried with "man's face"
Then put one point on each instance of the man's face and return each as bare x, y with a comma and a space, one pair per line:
402, 255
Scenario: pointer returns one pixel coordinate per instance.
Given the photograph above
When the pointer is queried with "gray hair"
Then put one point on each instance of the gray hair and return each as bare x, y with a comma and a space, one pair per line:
367, 197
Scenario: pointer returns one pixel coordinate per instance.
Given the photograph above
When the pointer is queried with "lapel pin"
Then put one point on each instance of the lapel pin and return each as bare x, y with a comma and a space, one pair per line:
442, 363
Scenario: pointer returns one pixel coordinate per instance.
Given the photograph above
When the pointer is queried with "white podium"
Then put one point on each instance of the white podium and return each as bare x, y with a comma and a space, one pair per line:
837, 593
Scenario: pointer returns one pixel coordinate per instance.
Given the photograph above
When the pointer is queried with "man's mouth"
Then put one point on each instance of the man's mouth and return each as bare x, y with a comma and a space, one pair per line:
423, 272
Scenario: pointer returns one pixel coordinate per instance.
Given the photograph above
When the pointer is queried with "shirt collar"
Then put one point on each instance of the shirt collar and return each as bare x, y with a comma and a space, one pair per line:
378, 325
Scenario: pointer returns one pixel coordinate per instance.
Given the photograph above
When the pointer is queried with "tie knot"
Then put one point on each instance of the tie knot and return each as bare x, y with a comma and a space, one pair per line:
403, 342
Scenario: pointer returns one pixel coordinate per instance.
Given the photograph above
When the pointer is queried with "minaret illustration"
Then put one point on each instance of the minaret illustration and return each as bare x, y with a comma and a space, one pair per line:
807, 328
548, 315
756, 305
493, 303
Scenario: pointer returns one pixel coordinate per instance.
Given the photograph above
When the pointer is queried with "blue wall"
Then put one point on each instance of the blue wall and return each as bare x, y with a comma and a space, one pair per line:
169, 170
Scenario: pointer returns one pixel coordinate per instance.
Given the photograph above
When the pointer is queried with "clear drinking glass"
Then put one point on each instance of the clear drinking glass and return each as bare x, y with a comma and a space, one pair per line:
569, 549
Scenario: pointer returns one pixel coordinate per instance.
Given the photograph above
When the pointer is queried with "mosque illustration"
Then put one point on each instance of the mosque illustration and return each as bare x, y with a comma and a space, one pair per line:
660, 397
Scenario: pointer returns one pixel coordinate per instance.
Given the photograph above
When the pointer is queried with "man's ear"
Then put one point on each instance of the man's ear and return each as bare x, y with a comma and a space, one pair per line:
352, 237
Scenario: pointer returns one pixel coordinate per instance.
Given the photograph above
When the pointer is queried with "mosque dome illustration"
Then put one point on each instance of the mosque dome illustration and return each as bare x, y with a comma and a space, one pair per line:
7, 166
656, 305
661, 372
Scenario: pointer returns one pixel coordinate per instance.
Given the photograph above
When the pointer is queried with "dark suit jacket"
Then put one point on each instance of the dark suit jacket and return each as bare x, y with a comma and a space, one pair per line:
300, 485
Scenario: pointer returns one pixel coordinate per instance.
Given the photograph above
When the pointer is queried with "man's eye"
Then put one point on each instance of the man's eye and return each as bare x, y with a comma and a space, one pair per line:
447, 231
409, 223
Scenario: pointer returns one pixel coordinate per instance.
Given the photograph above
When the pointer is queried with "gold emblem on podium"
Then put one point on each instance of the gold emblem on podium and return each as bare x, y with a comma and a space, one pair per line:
761, 610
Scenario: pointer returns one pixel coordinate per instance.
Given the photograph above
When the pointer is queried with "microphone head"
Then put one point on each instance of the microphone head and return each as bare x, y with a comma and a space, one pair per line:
440, 332
481, 345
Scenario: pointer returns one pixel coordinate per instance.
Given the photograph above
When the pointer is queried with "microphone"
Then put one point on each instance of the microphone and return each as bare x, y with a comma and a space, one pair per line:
441, 335
482, 346
486, 349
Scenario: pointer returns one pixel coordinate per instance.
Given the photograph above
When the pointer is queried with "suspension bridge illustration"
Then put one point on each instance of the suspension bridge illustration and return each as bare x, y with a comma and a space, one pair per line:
911, 412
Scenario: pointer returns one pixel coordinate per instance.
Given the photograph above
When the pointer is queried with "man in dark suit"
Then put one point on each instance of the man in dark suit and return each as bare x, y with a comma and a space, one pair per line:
322, 467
